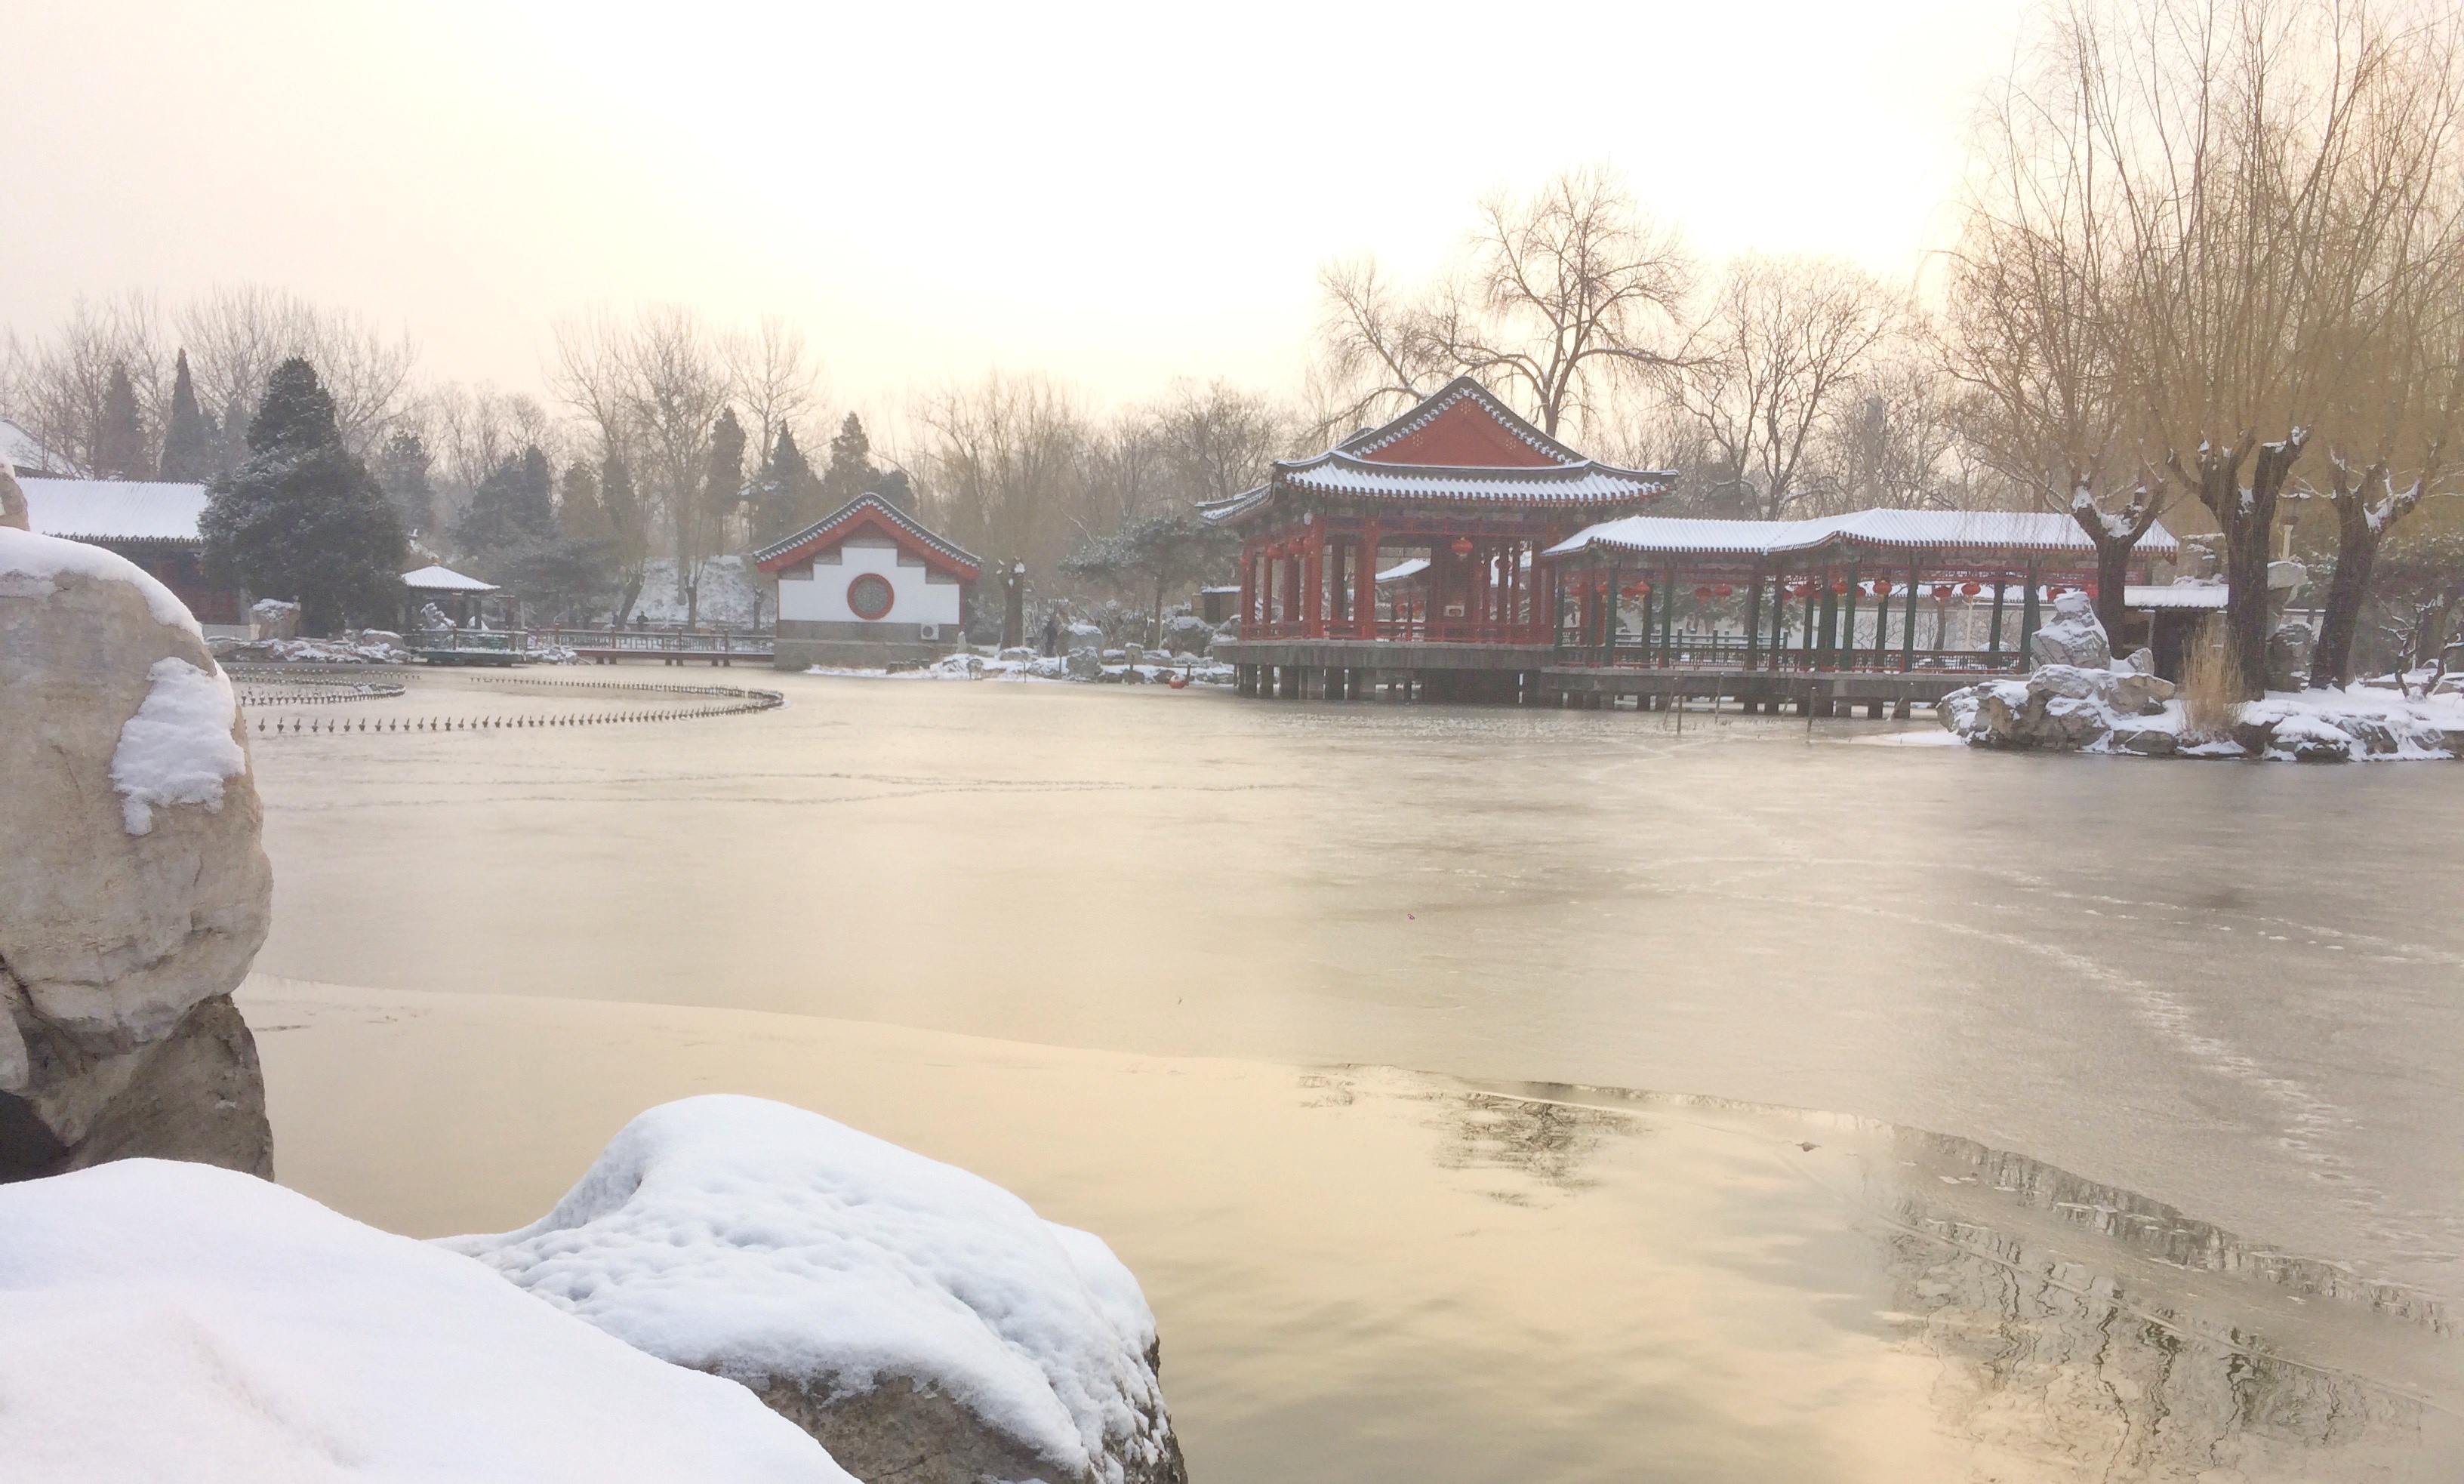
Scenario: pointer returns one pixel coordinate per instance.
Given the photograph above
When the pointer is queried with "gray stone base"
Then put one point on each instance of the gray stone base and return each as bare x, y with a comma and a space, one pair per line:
195, 1095
796, 654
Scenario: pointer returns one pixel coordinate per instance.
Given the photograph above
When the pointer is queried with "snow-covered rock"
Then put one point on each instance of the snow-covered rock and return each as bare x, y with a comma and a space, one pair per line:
1186, 633
2071, 636
133, 888
922, 1322
171, 1322
272, 618
2067, 709
2288, 655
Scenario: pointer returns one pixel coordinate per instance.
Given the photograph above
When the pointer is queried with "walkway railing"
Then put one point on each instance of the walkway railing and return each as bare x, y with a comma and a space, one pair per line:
718, 647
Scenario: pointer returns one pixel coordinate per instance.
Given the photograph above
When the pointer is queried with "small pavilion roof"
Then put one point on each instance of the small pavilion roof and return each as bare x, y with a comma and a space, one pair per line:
115, 509
2019, 531
871, 512
1459, 446
443, 579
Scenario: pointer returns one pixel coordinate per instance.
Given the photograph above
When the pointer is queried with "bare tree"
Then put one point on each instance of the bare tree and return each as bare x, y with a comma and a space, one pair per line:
60, 390
2390, 422
236, 335
1008, 461
1558, 292
773, 376
653, 388
1770, 367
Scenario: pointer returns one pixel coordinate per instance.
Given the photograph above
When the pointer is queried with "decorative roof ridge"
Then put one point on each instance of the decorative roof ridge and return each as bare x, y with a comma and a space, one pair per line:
878, 506
1570, 469
1416, 418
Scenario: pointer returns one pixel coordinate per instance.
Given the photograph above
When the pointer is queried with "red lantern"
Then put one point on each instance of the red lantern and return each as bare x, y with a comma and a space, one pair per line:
1942, 592
1971, 589
1881, 587
1642, 589
1463, 546
1701, 594
1839, 589
1725, 590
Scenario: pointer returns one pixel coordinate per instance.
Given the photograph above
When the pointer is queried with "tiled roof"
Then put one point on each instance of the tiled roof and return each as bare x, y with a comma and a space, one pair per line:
114, 510
855, 512
2180, 595
2033, 531
1460, 446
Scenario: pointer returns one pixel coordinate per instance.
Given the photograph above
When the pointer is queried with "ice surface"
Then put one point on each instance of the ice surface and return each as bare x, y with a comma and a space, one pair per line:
754, 1240
178, 748
171, 1322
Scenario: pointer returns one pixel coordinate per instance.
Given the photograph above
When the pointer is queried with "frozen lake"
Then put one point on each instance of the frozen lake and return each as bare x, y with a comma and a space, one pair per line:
2237, 990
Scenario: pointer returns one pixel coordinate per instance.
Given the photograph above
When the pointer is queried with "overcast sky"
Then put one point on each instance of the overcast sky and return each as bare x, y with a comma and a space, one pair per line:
1116, 195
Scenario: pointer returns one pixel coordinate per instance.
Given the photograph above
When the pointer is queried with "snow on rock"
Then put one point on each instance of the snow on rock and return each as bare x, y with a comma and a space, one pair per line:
2067, 709
37, 566
162, 1321
2073, 636
127, 896
178, 748
922, 1322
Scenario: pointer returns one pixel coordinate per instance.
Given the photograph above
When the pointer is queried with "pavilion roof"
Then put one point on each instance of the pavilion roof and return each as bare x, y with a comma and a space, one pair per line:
2008, 531
1460, 446
872, 513
438, 579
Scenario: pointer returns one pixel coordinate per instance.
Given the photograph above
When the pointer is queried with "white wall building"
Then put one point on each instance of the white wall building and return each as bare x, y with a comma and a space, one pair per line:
867, 587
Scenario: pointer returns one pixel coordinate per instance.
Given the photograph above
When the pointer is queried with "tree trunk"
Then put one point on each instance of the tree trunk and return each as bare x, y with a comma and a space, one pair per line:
2246, 515
2358, 529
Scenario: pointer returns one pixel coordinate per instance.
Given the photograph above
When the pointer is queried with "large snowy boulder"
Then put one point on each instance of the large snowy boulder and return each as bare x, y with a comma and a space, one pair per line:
2073, 636
172, 1322
922, 1322
1186, 633
133, 888
2062, 707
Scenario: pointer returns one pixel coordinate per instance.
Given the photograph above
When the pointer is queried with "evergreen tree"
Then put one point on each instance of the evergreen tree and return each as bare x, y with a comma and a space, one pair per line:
189, 440
512, 504
851, 472
892, 485
302, 518
629, 530
402, 467
785, 492
119, 438
580, 512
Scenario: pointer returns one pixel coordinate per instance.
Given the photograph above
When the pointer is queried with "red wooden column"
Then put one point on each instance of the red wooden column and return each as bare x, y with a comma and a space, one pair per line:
1249, 588
1367, 602
1313, 580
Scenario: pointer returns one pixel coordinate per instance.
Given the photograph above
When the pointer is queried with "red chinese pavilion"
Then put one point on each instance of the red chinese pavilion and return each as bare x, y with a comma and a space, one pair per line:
1459, 481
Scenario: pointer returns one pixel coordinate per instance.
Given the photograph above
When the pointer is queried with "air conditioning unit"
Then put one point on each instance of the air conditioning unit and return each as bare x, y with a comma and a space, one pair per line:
928, 631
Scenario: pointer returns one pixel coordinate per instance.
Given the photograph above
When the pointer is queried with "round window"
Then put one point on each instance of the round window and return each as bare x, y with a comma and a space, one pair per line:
869, 596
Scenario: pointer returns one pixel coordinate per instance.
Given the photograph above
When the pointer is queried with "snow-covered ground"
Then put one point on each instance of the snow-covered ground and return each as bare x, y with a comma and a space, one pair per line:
728, 594
765, 1243
2068, 708
173, 1322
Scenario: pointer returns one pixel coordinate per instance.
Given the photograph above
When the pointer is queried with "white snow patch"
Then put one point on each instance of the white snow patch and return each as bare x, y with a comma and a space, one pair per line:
755, 1239
30, 566
178, 748
162, 1321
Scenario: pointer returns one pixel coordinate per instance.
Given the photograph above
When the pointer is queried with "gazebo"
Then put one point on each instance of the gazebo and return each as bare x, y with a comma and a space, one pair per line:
452, 593
1463, 484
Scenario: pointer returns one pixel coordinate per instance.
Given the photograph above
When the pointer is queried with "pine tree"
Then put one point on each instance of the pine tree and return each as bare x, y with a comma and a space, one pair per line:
580, 514
785, 492
514, 503
189, 439
851, 472
627, 529
302, 519
119, 438
402, 467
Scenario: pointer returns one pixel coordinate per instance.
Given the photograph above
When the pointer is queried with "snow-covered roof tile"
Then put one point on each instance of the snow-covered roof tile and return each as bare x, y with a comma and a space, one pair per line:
114, 510
2192, 595
879, 510
1915, 529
